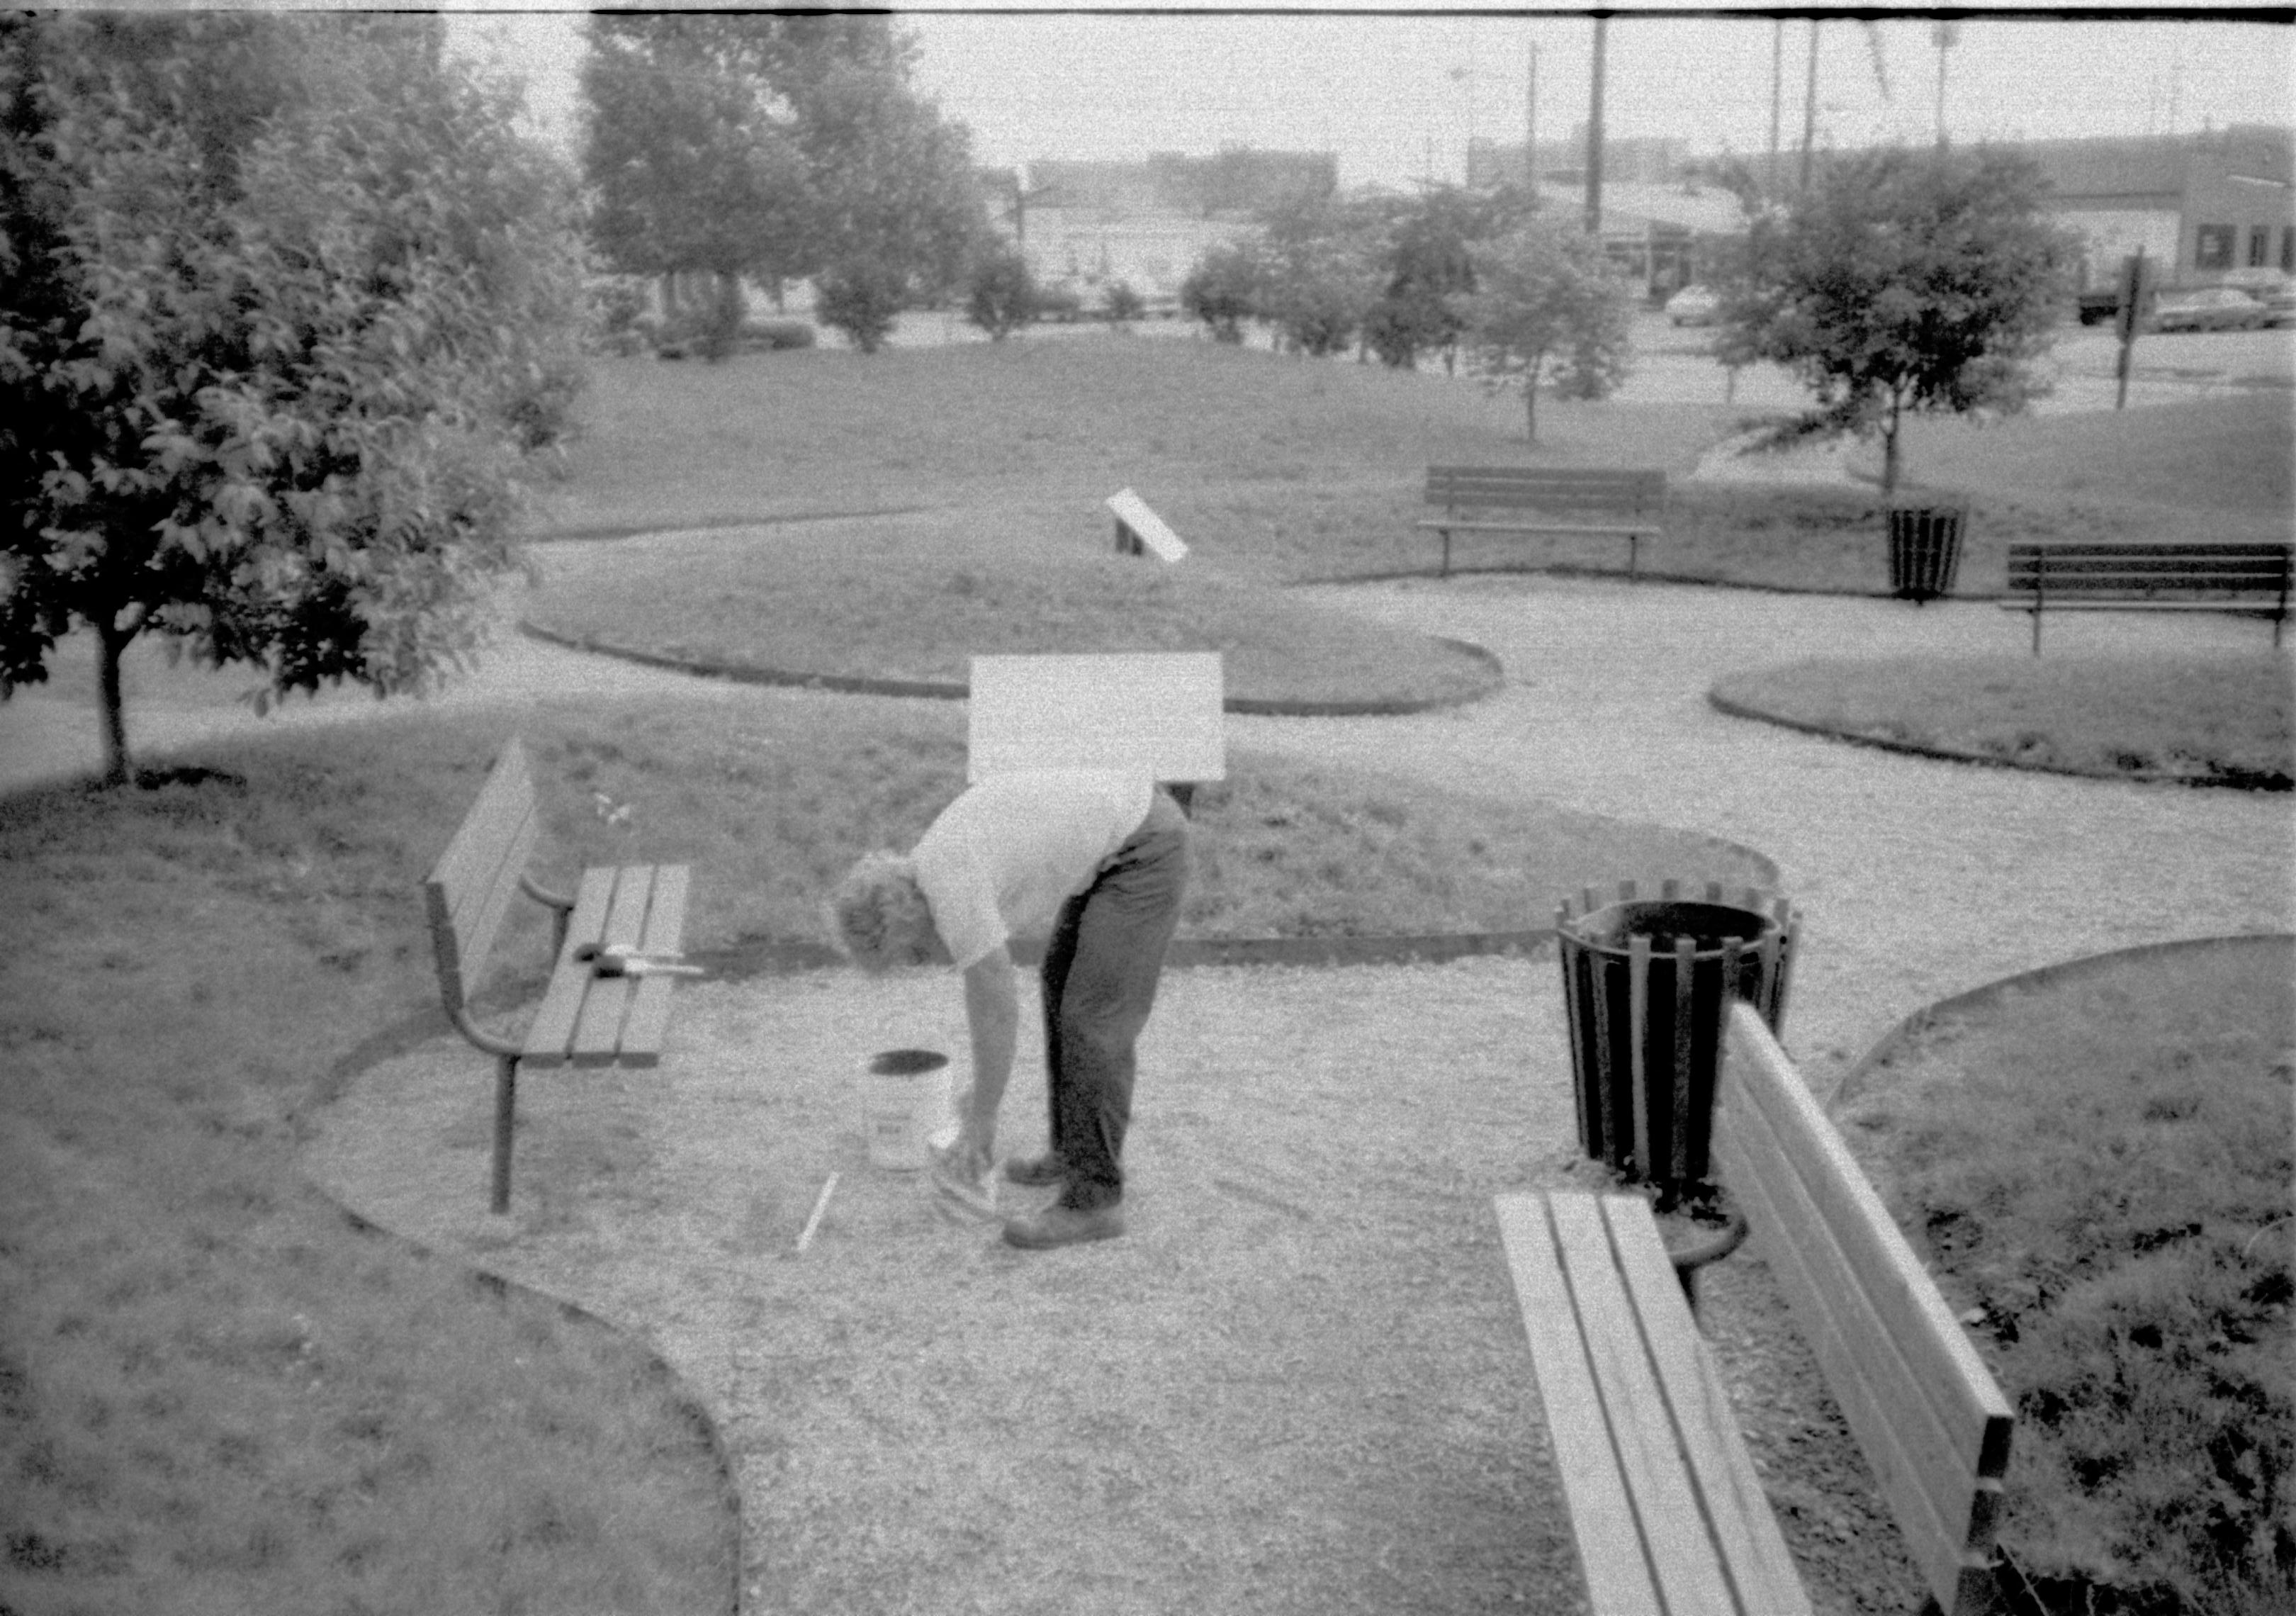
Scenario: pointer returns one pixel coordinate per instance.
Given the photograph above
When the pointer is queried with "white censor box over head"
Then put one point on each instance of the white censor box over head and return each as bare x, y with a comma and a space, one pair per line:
1139, 528
1157, 713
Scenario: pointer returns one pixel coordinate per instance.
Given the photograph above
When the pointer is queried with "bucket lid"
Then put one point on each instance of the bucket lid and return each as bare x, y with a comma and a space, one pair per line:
905, 1063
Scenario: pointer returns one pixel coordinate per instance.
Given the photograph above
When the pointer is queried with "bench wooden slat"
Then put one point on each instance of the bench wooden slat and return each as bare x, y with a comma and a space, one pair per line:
1934, 1425
1667, 1508
1754, 1552
1618, 1577
1685, 1563
643, 1032
598, 1029
550, 1036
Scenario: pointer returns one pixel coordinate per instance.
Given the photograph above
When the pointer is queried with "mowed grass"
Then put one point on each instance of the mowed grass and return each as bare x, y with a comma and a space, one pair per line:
917, 598
2229, 457
1281, 470
2100, 1165
217, 1392
2221, 718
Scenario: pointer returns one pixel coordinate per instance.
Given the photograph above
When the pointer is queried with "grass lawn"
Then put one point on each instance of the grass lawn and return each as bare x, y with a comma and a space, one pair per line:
2222, 718
2100, 1164
216, 1392
1281, 469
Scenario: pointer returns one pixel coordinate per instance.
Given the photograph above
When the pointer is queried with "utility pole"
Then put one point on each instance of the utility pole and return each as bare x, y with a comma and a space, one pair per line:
1595, 139
1809, 107
1530, 125
1778, 98
1945, 36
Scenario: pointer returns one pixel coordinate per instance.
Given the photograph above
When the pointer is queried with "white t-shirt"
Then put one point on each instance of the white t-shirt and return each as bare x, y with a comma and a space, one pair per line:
1002, 860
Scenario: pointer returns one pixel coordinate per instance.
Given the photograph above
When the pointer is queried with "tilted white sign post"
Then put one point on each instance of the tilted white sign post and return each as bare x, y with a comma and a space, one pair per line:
1140, 529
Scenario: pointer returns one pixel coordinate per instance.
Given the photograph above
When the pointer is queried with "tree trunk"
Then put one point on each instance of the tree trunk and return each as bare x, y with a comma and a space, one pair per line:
1530, 398
112, 642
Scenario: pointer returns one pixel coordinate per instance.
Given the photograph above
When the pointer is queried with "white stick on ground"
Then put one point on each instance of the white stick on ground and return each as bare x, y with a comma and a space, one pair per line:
820, 1205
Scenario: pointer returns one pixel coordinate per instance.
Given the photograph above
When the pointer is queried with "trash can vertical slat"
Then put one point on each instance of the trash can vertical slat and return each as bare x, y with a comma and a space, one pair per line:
1638, 963
1686, 989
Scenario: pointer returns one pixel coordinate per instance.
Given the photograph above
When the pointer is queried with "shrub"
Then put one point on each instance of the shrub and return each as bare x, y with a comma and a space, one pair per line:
778, 334
1001, 295
1061, 303
1121, 303
861, 300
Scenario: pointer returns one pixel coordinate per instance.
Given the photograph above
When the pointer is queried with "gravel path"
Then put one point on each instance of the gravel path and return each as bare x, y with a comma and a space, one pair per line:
1918, 879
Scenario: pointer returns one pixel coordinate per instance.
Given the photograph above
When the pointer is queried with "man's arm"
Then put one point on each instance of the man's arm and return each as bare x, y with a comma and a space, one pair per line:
992, 1010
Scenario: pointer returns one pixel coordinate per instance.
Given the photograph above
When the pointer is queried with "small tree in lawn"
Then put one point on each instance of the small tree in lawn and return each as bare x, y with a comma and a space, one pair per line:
1223, 290
862, 299
1001, 297
264, 379
1902, 283
1544, 294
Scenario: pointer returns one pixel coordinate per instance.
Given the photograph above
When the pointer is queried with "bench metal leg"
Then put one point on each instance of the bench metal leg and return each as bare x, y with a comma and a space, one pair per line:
1634, 562
506, 1104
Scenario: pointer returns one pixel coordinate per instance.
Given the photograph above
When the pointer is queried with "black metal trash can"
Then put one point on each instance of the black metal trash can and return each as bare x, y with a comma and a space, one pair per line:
1924, 552
1646, 984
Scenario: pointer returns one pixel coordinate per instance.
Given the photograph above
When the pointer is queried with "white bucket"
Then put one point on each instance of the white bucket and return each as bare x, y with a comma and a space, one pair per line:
904, 1098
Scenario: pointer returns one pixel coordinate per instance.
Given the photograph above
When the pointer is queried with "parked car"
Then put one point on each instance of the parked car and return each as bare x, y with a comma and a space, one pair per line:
2276, 289
1694, 304
2210, 308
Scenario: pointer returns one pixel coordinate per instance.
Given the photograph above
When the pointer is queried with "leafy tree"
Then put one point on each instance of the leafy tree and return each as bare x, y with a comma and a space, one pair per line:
1002, 296
1902, 282
1545, 293
1223, 289
279, 302
1318, 275
1428, 254
775, 146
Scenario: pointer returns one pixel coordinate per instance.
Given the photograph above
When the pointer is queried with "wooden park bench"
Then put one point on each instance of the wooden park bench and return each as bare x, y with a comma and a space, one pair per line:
2249, 579
606, 1002
1534, 500
1140, 531
1666, 1506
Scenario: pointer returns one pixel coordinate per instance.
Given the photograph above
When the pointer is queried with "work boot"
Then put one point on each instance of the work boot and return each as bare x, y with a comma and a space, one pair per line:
1036, 1172
1063, 1225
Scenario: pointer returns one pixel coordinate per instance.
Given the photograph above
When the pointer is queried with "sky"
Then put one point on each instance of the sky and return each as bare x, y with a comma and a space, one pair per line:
1398, 94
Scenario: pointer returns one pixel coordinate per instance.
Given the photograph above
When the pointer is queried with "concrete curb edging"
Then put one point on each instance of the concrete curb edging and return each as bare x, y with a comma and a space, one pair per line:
946, 690
1914, 748
1845, 1085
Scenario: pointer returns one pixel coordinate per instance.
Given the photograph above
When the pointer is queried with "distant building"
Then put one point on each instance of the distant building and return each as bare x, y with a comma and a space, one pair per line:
2202, 207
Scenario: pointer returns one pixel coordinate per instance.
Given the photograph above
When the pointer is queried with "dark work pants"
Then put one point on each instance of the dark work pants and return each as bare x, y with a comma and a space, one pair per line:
1102, 963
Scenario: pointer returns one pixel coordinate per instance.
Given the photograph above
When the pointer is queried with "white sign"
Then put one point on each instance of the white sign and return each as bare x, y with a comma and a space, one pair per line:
1138, 526
1158, 713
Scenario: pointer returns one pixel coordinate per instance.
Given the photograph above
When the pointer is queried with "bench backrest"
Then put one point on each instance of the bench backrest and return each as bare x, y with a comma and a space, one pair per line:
2137, 569
469, 889
1158, 713
1543, 488
1933, 1423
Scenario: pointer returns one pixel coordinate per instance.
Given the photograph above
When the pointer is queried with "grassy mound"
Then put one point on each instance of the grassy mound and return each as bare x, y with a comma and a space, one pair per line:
2100, 1164
2224, 457
214, 1390
915, 599
2220, 719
